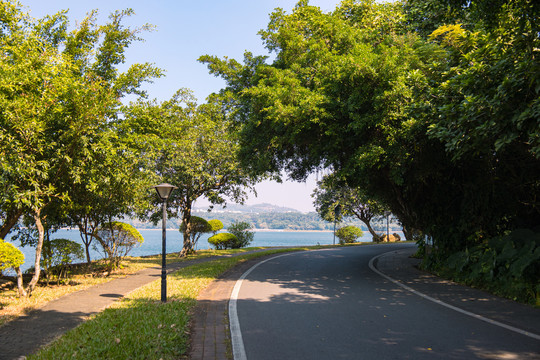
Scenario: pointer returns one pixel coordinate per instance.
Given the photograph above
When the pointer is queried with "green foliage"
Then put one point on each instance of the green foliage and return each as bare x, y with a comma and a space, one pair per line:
197, 226
116, 240
10, 256
58, 253
223, 241
190, 145
60, 95
348, 234
216, 225
243, 233
507, 265
442, 130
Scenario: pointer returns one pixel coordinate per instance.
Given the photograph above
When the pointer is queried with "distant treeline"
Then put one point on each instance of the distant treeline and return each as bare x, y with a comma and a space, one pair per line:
273, 220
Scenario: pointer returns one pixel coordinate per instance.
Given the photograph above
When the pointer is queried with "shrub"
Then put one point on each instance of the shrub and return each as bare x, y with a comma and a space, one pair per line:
348, 234
223, 241
243, 233
506, 265
58, 254
199, 226
117, 239
10, 256
216, 225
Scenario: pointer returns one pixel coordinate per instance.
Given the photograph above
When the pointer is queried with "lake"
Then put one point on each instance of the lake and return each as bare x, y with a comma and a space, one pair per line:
152, 241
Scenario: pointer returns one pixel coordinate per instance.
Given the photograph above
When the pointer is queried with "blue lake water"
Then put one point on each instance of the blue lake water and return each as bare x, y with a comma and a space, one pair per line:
152, 241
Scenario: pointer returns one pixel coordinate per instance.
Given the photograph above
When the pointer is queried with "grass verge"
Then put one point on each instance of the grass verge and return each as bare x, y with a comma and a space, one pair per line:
140, 326
84, 277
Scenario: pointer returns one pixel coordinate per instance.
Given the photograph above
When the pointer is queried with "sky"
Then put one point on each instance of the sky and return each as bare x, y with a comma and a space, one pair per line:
185, 30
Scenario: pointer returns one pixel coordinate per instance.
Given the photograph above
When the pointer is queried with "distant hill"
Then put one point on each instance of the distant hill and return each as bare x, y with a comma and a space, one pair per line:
253, 209
267, 216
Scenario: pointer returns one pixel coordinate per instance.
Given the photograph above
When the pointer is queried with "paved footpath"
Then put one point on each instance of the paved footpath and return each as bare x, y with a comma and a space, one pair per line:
26, 334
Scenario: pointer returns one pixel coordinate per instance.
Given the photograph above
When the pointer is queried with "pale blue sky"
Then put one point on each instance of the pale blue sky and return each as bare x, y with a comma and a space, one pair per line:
187, 29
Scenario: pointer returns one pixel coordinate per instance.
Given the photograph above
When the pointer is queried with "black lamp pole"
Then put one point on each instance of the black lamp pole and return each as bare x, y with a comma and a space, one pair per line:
337, 212
164, 253
164, 191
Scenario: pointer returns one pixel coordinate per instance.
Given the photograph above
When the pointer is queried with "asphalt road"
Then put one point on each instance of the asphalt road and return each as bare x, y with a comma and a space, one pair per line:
329, 304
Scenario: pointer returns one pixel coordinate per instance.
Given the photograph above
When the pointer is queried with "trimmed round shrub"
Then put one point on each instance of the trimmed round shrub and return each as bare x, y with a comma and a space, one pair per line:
10, 256
223, 241
348, 234
216, 225
199, 225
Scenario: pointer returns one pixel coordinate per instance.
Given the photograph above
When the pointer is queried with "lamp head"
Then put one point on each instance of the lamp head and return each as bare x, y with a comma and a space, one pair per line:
164, 190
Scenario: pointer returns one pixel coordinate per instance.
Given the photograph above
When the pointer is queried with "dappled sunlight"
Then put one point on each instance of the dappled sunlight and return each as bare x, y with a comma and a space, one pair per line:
279, 292
501, 354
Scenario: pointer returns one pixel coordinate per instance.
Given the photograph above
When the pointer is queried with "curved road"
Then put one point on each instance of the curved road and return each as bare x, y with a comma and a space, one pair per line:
328, 304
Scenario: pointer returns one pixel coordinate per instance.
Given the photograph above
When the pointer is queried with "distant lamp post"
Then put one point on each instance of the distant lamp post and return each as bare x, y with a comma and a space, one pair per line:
387, 213
164, 191
337, 212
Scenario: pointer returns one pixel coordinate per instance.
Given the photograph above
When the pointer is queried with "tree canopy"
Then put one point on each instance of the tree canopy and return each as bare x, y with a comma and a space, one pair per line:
191, 146
435, 118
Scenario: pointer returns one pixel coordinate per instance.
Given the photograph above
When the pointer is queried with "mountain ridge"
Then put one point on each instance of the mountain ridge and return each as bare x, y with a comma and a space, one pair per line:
255, 208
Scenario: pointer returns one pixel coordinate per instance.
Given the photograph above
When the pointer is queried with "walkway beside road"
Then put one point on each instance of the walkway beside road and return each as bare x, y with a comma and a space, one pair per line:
26, 334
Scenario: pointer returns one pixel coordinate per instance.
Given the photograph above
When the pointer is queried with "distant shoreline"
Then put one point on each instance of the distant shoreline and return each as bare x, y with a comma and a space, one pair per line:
258, 230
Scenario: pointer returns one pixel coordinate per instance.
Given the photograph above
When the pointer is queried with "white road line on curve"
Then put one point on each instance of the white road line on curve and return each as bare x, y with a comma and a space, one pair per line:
462, 311
239, 352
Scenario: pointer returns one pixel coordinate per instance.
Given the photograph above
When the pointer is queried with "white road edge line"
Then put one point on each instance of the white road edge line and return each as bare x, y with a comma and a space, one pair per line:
239, 352
465, 312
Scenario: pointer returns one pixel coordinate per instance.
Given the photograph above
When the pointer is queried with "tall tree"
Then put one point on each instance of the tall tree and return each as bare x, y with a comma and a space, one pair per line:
55, 106
331, 193
190, 146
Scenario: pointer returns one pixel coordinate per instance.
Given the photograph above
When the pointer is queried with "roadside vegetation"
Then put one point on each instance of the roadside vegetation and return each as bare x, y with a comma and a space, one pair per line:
82, 277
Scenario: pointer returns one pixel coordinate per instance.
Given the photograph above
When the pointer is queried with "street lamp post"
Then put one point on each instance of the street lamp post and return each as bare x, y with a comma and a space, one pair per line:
337, 212
387, 213
164, 191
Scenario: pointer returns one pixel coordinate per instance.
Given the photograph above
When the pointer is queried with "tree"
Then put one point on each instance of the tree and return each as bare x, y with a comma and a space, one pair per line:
337, 97
390, 111
199, 226
331, 192
348, 234
55, 105
117, 239
191, 146
242, 231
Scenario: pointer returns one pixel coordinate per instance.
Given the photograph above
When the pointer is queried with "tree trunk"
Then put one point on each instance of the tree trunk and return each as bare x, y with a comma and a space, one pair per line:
376, 237
83, 231
41, 235
20, 284
187, 247
11, 220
